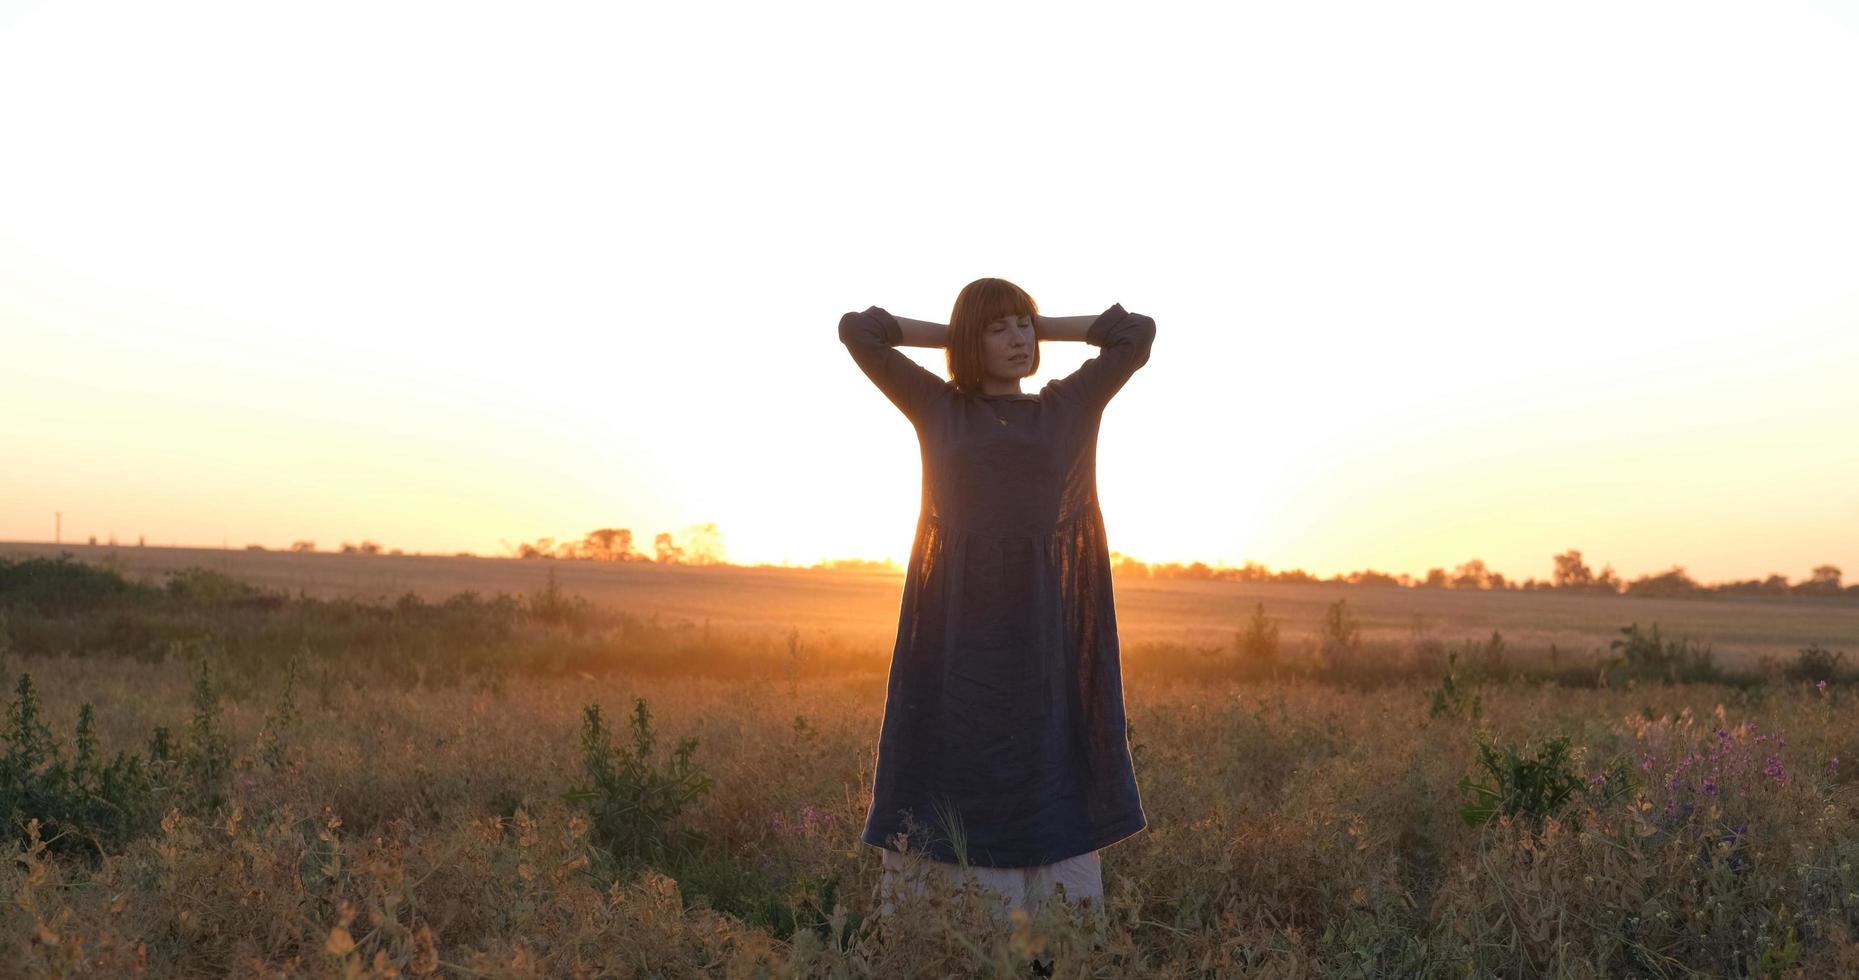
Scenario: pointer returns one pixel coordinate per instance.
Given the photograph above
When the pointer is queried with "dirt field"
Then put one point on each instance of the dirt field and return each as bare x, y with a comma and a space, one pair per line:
861, 607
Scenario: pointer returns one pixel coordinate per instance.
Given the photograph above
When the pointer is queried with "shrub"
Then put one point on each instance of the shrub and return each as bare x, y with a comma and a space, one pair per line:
1813, 663
1533, 789
1451, 700
1489, 655
206, 765
1647, 657
86, 805
553, 606
206, 587
60, 586
633, 805
282, 721
1258, 644
1341, 637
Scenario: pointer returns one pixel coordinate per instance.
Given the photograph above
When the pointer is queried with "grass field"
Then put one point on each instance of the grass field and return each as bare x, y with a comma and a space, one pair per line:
860, 609
382, 788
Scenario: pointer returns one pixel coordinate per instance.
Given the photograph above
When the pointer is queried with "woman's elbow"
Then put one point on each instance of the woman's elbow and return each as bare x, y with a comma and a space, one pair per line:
855, 327
1142, 333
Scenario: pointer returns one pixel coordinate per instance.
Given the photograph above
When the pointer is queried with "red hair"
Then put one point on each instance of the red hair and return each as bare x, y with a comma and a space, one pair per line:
980, 303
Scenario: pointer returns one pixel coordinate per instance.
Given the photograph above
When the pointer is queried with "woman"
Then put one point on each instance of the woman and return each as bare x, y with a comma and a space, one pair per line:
1003, 753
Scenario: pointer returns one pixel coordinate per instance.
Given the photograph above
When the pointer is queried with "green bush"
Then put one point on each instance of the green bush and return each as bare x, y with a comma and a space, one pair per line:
1451, 700
1534, 789
61, 586
206, 765
1341, 636
1645, 656
634, 805
86, 805
1813, 663
283, 721
1258, 644
206, 587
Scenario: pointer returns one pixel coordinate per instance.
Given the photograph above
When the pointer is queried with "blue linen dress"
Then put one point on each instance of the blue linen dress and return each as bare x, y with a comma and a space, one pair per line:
1003, 737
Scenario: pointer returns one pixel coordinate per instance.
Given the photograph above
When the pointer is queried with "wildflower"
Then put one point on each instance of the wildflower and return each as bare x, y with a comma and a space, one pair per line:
1774, 769
1822, 686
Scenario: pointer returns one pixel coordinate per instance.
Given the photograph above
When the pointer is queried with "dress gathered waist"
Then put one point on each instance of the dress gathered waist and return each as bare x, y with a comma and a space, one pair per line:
947, 527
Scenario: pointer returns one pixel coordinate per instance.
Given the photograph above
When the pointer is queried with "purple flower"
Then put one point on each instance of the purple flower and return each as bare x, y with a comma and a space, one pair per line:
1822, 686
1774, 768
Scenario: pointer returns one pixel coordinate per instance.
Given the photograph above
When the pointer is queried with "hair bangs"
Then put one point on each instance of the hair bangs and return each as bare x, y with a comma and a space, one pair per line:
980, 303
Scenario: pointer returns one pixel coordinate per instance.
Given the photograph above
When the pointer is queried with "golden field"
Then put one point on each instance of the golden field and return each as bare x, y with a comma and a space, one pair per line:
392, 799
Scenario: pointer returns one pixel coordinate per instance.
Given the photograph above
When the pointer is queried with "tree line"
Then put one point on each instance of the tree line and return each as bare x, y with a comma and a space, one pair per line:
1571, 574
700, 544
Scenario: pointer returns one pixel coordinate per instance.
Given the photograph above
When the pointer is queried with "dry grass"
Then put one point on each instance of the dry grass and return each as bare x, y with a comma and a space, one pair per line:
1294, 830
1296, 827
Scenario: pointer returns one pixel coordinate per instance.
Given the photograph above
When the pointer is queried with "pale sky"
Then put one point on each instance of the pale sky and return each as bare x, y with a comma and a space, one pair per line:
1432, 281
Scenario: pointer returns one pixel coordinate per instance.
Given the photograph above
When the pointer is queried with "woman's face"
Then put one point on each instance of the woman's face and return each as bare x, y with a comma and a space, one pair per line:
1007, 347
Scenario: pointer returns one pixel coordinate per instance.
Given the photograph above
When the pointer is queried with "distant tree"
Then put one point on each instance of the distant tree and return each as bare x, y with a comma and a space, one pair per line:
1571, 573
302, 546
610, 544
703, 545
665, 551
1671, 583
852, 565
1471, 575
254, 547
1775, 585
1122, 565
1824, 580
1608, 581
1372, 577
1436, 579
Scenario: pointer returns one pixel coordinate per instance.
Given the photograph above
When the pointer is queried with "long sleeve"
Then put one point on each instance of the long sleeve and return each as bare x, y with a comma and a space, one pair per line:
872, 337
1125, 338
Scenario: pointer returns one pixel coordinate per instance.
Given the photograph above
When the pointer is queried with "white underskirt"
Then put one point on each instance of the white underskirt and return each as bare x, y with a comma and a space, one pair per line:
1024, 888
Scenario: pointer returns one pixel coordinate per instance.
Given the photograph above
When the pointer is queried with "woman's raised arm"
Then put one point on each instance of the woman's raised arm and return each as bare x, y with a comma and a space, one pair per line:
922, 333
1062, 327
872, 336
1125, 338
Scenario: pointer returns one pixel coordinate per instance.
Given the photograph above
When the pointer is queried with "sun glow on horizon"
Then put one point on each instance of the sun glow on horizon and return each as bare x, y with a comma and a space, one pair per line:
1433, 282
